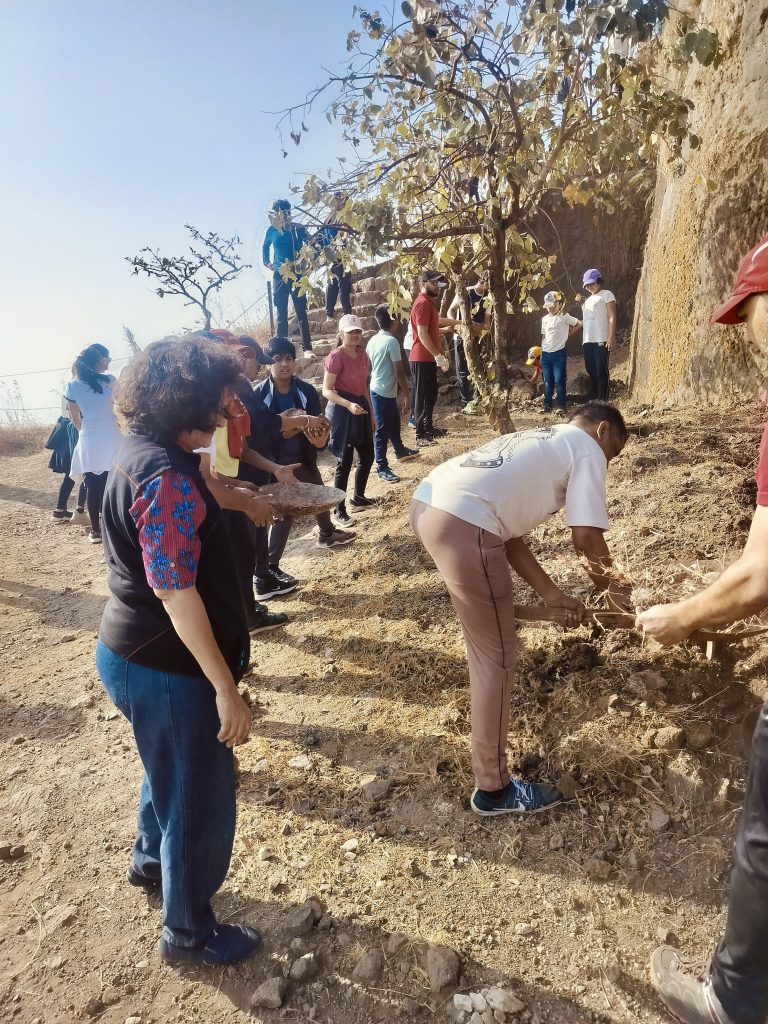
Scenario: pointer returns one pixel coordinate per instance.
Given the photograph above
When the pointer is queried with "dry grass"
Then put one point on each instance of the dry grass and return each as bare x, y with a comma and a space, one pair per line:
19, 441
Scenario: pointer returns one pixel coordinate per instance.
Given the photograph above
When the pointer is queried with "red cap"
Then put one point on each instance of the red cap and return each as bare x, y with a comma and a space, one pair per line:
751, 279
224, 335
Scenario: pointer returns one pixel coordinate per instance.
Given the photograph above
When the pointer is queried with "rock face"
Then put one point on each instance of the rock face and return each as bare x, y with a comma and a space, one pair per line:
700, 231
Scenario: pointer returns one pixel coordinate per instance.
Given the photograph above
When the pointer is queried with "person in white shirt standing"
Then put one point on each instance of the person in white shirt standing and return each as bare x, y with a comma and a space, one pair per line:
471, 514
556, 328
599, 333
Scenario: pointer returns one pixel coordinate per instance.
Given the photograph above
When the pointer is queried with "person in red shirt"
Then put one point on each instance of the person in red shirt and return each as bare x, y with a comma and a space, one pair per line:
427, 354
733, 987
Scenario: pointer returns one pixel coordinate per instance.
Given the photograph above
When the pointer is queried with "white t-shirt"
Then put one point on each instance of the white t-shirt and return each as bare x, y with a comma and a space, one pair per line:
554, 330
515, 482
596, 317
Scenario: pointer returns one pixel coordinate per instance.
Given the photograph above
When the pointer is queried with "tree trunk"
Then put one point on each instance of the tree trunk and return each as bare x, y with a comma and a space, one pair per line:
207, 322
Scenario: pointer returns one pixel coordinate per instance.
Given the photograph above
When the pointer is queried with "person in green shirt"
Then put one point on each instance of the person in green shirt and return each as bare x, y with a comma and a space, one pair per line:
387, 374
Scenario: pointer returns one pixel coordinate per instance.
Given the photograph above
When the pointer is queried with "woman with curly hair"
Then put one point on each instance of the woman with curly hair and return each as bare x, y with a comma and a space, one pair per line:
174, 642
89, 396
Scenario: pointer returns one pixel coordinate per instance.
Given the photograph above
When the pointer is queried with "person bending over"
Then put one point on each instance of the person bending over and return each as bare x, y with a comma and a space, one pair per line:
471, 514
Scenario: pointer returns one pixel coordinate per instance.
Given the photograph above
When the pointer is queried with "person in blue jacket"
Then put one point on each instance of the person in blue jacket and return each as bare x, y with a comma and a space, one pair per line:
282, 244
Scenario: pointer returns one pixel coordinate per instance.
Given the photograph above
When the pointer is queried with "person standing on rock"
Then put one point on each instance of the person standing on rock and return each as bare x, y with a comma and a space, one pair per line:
427, 354
471, 515
282, 244
732, 987
599, 320
173, 642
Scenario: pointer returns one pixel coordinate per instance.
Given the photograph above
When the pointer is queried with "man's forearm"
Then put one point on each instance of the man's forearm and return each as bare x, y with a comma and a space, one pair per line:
526, 565
190, 620
426, 340
741, 591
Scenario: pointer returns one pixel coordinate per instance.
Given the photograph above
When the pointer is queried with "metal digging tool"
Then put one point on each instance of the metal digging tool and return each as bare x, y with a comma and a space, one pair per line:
624, 620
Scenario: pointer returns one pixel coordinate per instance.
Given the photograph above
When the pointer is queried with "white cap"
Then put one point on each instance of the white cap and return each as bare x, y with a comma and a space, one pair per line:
350, 322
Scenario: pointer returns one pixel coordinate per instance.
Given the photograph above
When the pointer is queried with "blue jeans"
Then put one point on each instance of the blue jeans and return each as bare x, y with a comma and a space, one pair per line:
186, 823
387, 428
553, 370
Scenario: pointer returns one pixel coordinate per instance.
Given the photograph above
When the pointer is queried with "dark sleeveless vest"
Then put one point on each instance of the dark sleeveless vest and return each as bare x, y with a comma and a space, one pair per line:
135, 624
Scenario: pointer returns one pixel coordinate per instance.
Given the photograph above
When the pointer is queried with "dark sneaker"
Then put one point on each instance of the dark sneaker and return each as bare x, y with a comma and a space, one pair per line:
560, 412
142, 881
425, 442
265, 620
439, 432
686, 989
270, 586
546, 411
358, 504
341, 517
337, 539
517, 798
407, 454
94, 536
388, 476
62, 514
226, 944
283, 577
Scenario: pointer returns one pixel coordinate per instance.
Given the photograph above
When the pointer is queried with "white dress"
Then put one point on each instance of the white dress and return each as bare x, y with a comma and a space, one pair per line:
100, 435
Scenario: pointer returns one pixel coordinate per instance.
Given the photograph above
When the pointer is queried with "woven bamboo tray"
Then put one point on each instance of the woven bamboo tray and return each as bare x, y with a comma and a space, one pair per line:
300, 499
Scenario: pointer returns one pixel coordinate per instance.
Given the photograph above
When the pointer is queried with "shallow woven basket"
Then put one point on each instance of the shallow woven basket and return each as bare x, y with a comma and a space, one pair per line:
300, 499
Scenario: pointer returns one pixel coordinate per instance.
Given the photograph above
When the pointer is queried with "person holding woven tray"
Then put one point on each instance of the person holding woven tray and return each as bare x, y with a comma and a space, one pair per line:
350, 410
471, 514
282, 391
173, 642
731, 986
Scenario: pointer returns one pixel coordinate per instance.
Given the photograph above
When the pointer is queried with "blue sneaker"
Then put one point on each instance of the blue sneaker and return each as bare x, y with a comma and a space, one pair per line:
226, 944
517, 798
387, 475
411, 422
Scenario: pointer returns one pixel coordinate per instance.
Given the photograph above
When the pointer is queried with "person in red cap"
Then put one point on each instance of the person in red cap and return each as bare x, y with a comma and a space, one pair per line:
732, 988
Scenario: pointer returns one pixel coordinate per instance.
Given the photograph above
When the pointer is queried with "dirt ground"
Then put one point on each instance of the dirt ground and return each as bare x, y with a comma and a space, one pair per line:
368, 684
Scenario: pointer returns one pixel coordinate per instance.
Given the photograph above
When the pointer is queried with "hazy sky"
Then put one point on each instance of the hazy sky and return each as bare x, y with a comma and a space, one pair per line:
121, 121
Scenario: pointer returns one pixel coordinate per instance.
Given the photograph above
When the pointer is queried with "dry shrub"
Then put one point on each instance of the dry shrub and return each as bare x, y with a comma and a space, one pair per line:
18, 441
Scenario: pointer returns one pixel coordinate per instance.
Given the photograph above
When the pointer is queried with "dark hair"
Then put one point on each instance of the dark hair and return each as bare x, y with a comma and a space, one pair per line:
276, 347
383, 319
281, 204
85, 367
176, 384
596, 412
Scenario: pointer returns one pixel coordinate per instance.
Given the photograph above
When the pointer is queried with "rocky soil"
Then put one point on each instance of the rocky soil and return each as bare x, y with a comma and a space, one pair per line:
381, 897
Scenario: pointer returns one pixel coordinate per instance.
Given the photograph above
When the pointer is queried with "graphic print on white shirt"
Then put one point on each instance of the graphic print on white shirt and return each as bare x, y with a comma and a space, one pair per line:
493, 454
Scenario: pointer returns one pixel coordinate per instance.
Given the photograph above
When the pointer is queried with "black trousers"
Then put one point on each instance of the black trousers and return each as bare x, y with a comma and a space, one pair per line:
94, 496
67, 484
279, 533
362, 472
740, 964
339, 287
241, 531
466, 388
423, 396
281, 292
596, 363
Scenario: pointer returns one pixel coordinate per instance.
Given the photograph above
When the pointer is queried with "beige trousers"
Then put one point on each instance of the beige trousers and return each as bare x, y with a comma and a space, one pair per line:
474, 566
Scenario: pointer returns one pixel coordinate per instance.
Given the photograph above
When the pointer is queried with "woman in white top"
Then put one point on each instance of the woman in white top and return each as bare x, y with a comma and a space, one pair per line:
599, 332
89, 400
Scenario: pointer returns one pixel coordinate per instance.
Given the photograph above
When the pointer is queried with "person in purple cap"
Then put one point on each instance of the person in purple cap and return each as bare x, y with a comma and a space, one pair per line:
732, 986
599, 333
